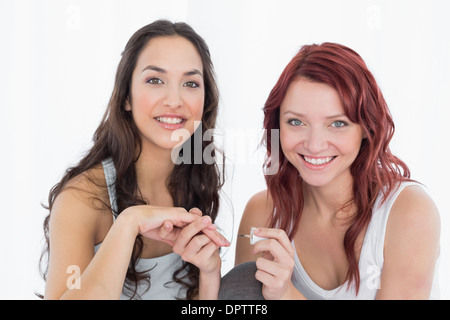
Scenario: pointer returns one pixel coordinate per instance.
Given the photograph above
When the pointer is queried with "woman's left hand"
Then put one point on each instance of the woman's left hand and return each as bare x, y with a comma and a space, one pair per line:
276, 264
169, 233
194, 245
196, 242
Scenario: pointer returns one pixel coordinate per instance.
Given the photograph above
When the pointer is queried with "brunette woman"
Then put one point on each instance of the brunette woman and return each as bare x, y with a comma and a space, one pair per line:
342, 218
123, 218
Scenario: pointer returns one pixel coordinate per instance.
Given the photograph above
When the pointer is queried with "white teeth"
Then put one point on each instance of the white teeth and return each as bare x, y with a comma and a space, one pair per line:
169, 120
318, 161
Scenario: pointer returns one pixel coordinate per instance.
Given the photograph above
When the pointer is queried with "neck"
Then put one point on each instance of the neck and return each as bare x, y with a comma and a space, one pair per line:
327, 202
152, 170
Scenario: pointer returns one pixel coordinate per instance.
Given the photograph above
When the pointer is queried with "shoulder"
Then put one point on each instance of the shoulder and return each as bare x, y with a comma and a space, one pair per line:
411, 246
259, 209
90, 182
83, 204
413, 211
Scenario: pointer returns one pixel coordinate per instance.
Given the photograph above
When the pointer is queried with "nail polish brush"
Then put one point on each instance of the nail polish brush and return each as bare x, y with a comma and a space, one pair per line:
253, 238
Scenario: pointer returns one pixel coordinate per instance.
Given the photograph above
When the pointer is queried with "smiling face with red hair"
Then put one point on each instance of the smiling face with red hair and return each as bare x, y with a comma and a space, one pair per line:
334, 126
316, 136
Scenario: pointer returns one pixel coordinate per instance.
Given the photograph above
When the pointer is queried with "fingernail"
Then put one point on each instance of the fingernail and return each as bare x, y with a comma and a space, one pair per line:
206, 220
212, 227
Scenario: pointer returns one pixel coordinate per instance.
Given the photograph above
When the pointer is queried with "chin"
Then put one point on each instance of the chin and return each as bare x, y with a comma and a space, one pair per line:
314, 180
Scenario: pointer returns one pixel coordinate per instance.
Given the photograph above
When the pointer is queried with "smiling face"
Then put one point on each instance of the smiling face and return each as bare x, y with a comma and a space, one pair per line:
167, 91
315, 134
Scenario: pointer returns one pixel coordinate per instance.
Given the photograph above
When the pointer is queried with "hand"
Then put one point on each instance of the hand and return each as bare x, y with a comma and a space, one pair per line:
149, 219
169, 233
196, 247
276, 265
199, 243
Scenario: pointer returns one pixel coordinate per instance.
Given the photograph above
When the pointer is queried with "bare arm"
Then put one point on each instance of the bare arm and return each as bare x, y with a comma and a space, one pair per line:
73, 230
74, 227
256, 214
411, 247
274, 257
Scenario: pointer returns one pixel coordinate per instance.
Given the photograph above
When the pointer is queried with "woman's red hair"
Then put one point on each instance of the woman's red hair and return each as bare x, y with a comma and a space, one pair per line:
374, 170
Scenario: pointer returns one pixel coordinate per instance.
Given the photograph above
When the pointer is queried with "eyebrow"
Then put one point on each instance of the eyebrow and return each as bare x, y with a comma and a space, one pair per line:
161, 70
301, 115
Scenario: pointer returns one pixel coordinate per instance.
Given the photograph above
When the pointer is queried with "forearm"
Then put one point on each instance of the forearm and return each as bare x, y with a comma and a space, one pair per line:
103, 278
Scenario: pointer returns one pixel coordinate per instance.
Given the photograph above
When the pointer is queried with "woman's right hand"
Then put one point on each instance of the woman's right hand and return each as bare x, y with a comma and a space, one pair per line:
148, 219
276, 265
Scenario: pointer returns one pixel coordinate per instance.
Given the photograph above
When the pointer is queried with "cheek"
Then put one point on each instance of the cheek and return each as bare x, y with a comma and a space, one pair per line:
143, 101
196, 104
288, 142
349, 146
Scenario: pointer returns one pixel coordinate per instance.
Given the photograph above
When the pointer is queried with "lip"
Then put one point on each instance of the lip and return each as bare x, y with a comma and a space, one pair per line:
319, 165
170, 126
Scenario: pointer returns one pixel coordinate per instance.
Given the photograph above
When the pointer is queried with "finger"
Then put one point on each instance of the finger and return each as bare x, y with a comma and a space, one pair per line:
263, 277
273, 248
269, 247
208, 257
209, 249
216, 237
188, 232
277, 234
168, 233
203, 253
182, 219
196, 251
196, 211
196, 245
276, 269
199, 213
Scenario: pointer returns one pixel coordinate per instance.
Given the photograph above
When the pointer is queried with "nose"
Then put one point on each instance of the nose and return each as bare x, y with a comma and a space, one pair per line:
316, 141
173, 98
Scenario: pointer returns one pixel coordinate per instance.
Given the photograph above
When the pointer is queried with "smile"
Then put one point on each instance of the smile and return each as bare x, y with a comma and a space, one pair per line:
318, 161
170, 120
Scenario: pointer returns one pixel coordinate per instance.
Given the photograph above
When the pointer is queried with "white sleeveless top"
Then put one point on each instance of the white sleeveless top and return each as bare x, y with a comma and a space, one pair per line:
370, 261
162, 286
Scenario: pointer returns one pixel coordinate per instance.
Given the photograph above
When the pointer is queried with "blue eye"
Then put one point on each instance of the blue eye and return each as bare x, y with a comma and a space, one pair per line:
154, 81
339, 124
295, 122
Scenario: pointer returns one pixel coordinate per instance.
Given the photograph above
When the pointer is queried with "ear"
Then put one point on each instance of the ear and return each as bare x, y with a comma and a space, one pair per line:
365, 136
127, 105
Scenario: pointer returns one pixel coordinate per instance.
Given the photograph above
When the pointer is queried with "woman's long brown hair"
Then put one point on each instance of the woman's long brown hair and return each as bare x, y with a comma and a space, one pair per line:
190, 184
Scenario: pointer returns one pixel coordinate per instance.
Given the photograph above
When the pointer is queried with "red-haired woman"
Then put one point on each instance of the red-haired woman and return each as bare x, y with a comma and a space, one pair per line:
342, 216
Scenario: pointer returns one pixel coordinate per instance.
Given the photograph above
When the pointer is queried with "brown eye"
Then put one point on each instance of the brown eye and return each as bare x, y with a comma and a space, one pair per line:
191, 84
154, 81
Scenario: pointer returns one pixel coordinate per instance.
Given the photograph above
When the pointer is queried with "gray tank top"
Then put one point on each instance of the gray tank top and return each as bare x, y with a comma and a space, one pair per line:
162, 286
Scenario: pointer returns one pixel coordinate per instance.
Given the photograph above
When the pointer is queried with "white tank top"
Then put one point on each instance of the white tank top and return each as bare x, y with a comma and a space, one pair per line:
161, 269
370, 261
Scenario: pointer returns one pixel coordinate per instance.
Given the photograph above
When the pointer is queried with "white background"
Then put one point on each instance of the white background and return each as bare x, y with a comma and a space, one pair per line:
58, 60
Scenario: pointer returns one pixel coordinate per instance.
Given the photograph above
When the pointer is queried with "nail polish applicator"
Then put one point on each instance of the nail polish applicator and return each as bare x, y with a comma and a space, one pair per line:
253, 238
